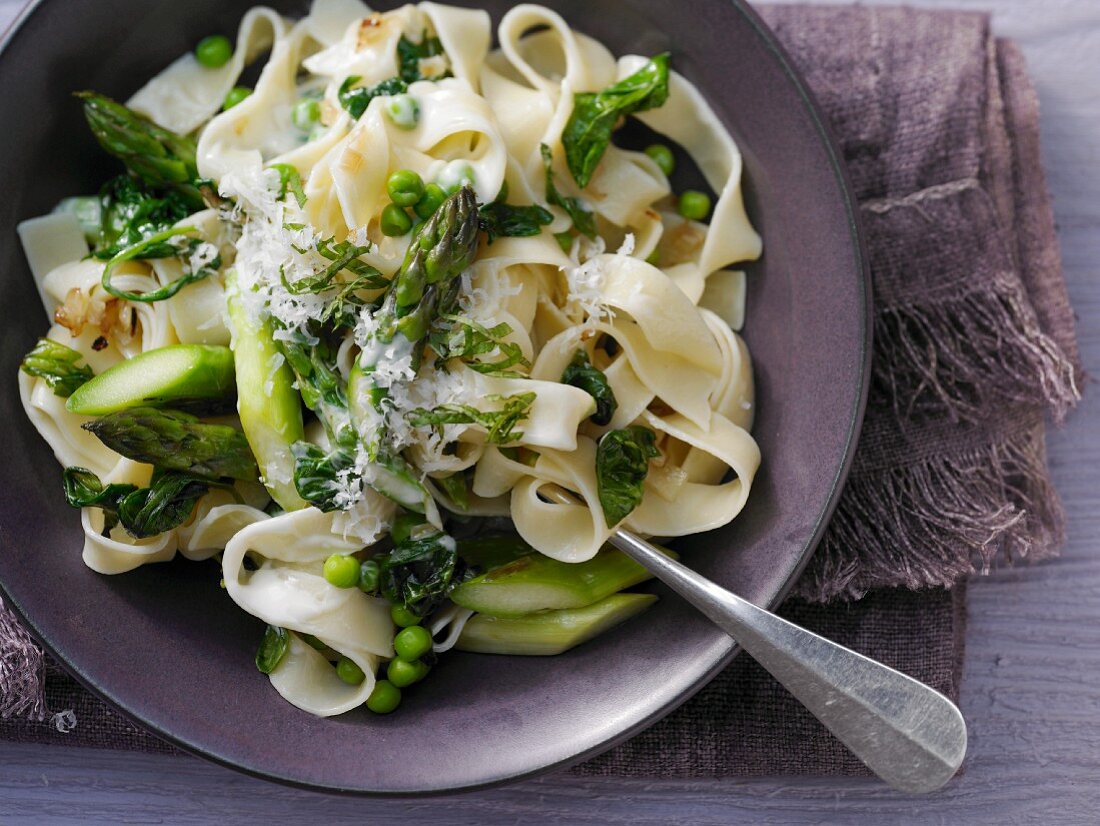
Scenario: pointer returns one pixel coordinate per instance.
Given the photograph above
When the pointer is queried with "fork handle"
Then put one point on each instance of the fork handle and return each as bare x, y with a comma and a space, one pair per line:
907, 733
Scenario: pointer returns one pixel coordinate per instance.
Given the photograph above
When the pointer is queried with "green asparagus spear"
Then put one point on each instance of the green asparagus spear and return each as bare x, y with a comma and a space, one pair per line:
427, 282
424, 287
316, 473
174, 376
551, 632
157, 156
173, 440
534, 582
269, 406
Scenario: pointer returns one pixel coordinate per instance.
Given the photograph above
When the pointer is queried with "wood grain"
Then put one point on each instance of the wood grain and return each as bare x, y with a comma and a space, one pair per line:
1032, 687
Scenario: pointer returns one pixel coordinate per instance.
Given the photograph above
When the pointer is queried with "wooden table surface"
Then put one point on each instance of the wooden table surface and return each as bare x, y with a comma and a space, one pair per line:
1032, 686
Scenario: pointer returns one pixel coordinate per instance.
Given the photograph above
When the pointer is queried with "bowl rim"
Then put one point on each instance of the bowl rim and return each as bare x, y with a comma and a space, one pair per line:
862, 375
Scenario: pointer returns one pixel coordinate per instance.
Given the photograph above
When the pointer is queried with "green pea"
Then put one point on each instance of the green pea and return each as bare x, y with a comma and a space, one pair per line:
429, 202
694, 205
402, 617
404, 111
395, 221
348, 671
654, 257
368, 576
214, 51
405, 187
342, 571
565, 241
235, 96
384, 698
306, 114
412, 643
454, 176
662, 155
403, 673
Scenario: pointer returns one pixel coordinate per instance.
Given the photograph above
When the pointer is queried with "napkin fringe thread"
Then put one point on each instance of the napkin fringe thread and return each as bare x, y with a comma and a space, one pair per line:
22, 671
939, 520
968, 353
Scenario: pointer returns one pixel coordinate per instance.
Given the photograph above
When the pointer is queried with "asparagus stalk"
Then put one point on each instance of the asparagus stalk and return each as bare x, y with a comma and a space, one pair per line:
157, 156
425, 286
181, 374
427, 282
534, 582
269, 406
551, 632
173, 440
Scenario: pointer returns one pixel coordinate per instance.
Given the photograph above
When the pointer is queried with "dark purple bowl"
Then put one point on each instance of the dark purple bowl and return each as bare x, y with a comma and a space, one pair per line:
171, 651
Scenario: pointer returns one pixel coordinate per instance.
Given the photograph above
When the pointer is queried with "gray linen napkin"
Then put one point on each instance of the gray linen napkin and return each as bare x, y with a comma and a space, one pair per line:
974, 346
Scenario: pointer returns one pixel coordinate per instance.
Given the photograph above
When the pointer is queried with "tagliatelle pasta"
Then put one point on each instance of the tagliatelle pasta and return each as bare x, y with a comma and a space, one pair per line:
445, 288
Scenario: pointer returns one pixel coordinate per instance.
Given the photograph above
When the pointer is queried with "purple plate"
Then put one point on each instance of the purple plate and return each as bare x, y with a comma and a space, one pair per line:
171, 651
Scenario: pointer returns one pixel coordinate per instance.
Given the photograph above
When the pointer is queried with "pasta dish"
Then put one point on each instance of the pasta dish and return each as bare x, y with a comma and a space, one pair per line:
365, 289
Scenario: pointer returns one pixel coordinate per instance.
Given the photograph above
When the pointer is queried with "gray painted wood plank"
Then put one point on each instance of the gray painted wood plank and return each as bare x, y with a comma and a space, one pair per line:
1032, 688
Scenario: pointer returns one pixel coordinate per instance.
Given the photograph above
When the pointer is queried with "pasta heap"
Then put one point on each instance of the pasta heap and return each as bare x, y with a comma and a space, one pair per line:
589, 319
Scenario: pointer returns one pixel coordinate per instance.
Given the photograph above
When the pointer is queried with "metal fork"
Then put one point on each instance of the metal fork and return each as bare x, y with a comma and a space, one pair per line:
908, 734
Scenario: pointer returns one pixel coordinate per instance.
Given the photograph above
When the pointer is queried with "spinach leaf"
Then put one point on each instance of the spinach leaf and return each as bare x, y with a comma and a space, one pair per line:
499, 219
84, 490
317, 474
410, 54
164, 505
583, 220
420, 573
356, 99
580, 373
499, 424
131, 213
312, 357
273, 649
467, 340
56, 365
622, 462
143, 512
588, 131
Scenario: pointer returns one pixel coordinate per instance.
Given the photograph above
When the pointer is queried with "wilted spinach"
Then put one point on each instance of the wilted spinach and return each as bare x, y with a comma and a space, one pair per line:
588, 132
410, 54
580, 373
499, 219
130, 212
622, 462
583, 220
317, 473
356, 99
56, 364
143, 512
420, 573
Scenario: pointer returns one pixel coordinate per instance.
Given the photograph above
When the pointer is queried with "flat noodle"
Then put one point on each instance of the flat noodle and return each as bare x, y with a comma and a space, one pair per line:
187, 94
288, 590
651, 300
